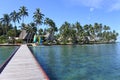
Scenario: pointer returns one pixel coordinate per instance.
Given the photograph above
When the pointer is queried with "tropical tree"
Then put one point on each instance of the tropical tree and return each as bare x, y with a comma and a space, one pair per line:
96, 28
100, 28
6, 22
38, 17
86, 30
32, 24
92, 32
78, 27
15, 17
3, 39
52, 28
22, 26
49, 22
114, 35
79, 31
106, 33
73, 34
31, 30
106, 28
11, 33
1, 29
65, 31
40, 31
23, 12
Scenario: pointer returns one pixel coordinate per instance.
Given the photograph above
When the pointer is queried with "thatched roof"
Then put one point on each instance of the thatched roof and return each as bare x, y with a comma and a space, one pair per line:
23, 34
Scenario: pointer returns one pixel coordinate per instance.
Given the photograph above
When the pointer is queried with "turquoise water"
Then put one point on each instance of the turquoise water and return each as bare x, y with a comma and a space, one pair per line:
86, 62
5, 52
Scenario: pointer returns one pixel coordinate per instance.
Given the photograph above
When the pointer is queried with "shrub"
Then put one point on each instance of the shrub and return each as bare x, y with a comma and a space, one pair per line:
19, 41
3, 39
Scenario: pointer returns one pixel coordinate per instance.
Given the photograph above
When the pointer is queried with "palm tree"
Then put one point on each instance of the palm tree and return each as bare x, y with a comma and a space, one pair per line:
52, 25
79, 27
6, 22
49, 22
96, 28
23, 12
73, 33
1, 28
38, 17
92, 32
40, 31
114, 35
32, 24
15, 17
86, 30
105, 34
65, 31
106, 28
31, 30
22, 26
79, 31
100, 28
98, 31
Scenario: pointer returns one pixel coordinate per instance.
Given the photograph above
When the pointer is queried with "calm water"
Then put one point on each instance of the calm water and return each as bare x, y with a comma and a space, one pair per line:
86, 62
5, 52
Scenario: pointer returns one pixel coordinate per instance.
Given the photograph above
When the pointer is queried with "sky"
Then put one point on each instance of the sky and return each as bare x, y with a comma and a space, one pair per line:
106, 12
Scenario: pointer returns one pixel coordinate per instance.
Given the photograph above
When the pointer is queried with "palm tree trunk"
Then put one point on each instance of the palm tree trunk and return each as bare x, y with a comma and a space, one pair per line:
5, 29
14, 28
23, 20
31, 37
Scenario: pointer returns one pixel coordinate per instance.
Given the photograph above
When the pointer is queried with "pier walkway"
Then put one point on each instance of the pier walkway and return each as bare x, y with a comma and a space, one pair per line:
23, 66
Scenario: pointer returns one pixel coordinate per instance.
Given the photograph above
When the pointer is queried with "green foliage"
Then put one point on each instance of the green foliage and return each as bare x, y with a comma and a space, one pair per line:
46, 43
5, 22
51, 24
11, 33
18, 33
93, 33
3, 39
19, 41
23, 12
38, 17
15, 17
40, 31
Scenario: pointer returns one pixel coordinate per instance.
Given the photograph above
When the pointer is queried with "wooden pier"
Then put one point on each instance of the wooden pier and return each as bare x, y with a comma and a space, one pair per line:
23, 66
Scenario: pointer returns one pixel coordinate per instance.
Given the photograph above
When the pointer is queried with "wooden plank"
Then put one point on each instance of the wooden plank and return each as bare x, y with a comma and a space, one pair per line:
23, 66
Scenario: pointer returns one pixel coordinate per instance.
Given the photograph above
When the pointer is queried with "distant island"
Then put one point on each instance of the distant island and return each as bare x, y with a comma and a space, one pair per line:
14, 30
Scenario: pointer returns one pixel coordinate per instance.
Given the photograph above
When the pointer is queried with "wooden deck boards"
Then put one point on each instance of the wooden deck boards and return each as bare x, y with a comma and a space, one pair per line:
23, 66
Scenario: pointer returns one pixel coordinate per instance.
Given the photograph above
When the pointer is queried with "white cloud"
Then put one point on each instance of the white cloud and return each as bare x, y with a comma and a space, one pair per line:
110, 5
115, 6
91, 9
88, 3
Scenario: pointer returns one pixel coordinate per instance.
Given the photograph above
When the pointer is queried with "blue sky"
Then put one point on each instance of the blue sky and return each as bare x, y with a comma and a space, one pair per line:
106, 12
